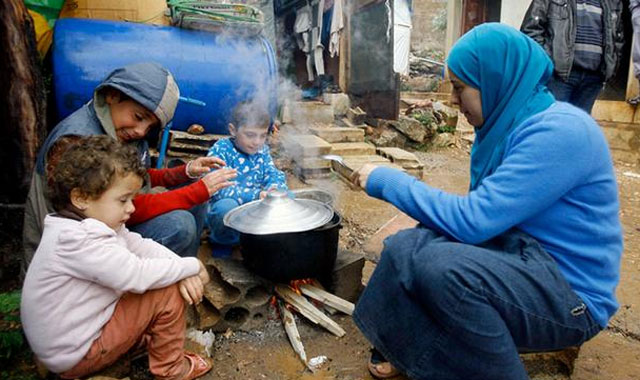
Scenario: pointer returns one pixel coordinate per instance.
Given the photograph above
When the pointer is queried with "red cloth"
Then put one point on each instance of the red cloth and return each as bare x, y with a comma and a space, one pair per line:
149, 206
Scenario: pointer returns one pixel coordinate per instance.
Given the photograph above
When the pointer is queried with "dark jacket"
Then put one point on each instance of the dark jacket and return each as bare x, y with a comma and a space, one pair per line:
552, 23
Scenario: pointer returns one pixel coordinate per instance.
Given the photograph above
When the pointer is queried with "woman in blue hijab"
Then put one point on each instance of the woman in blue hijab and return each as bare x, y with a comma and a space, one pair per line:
528, 259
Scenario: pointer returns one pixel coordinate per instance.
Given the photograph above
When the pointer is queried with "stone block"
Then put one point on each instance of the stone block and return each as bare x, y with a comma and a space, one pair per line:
356, 116
622, 137
406, 160
312, 163
399, 156
298, 146
309, 112
339, 102
308, 174
346, 280
410, 127
386, 136
339, 134
345, 122
352, 163
353, 149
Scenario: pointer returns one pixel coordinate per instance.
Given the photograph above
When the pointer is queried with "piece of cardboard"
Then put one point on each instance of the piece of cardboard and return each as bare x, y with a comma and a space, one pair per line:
146, 11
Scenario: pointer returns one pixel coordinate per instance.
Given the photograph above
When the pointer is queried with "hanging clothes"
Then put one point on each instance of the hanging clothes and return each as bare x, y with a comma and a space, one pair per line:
401, 36
308, 29
337, 25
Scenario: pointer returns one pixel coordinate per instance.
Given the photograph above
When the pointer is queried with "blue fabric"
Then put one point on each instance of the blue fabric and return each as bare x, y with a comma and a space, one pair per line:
218, 232
510, 69
440, 309
556, 183
256, 172
178, 230
581, 88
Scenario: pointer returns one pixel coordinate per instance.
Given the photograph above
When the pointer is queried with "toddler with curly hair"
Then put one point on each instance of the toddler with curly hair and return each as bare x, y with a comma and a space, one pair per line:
95, 290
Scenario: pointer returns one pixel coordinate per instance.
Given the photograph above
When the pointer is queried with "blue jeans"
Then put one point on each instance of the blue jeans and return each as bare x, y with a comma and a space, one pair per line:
219, 233
178, 230
581, 89
440, 309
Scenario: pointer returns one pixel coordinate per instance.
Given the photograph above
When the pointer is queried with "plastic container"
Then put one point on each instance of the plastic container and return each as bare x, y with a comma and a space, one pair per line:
219, 70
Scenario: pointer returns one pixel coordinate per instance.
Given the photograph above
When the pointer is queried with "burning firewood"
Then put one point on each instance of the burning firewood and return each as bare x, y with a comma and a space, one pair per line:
327, 298
292, 332
309, 311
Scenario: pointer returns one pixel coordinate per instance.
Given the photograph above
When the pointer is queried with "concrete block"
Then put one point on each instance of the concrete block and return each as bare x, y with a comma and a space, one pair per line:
339, 102
353, 149
339, 134
345, 122
346, 279
298, 146
234, 298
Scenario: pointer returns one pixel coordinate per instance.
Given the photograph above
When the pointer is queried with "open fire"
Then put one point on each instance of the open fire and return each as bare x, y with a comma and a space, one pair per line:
291, 297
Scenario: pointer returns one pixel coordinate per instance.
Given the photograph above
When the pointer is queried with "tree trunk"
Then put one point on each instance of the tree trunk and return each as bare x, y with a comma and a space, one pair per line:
23, 109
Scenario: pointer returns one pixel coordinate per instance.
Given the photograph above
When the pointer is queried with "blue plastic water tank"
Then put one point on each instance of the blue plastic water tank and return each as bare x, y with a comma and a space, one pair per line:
216, 69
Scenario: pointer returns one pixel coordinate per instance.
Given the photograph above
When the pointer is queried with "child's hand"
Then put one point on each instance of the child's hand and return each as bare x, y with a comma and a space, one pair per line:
263, 194
219, 179
191, 289
203, 165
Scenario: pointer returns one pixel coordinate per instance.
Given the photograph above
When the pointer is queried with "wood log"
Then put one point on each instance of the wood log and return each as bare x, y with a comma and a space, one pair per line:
327, 298
290, 327
309, 311
23, 108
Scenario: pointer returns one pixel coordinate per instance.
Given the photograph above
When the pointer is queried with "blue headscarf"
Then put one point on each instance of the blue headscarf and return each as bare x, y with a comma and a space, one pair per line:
510, 70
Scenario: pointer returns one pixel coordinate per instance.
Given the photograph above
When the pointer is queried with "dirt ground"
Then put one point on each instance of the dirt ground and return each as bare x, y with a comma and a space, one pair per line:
266, 354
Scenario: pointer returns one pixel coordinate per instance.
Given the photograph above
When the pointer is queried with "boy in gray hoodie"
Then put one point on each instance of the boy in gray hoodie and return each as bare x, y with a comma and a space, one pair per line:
130, 102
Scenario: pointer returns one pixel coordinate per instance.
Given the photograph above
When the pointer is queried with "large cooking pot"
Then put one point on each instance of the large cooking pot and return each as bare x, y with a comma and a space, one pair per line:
284, 239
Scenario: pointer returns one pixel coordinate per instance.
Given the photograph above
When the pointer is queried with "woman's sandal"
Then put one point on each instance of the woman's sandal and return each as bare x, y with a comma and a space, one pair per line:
198, 366
377, 360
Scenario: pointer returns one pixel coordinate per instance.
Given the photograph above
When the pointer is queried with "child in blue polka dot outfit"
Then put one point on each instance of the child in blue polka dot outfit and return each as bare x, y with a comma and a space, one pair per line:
246, 152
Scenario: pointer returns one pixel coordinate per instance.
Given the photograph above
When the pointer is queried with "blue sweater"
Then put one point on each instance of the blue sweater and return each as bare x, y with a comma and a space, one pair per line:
256, 172
556, 182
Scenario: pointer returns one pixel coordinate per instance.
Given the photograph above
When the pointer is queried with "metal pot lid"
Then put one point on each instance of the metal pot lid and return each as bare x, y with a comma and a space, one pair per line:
278, 213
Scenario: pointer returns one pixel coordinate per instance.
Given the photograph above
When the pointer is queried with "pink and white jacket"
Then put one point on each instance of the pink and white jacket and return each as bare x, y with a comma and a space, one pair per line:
79, 272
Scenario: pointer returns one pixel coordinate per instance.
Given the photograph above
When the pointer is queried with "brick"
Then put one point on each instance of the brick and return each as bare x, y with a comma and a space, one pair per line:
353, 149
346, 279
338, 134
305, 146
